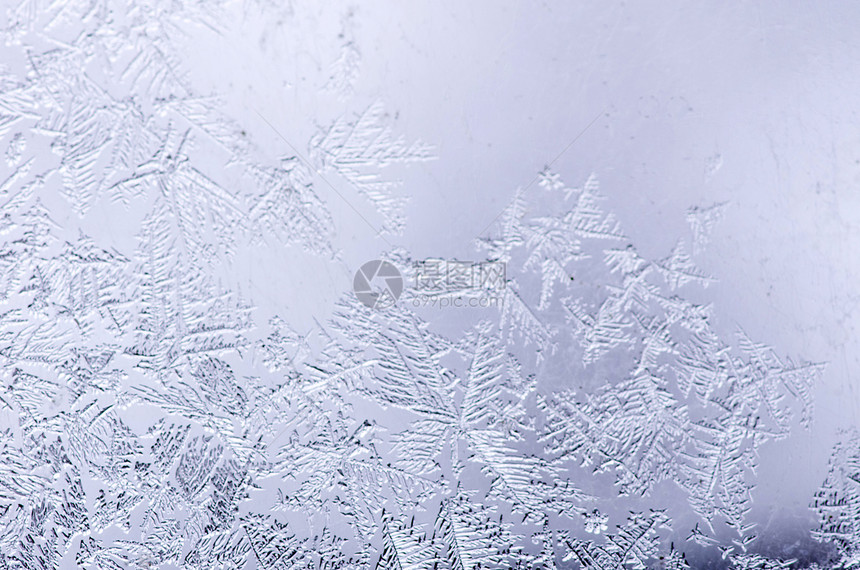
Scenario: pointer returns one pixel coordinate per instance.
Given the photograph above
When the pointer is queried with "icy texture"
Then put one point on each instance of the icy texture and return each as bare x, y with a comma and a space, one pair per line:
151, 417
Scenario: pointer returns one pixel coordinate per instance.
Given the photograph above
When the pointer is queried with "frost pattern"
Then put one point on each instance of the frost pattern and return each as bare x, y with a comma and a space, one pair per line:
150, 417
357, 149
837, 502
345, 69
702, 222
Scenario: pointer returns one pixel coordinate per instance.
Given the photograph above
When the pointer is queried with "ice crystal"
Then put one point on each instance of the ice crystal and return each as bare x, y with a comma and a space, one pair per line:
152, 413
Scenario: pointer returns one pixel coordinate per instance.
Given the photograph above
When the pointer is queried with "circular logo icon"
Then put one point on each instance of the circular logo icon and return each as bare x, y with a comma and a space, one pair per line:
378, 284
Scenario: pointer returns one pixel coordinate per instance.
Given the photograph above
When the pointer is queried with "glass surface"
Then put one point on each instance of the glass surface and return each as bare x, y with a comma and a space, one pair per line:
419, 284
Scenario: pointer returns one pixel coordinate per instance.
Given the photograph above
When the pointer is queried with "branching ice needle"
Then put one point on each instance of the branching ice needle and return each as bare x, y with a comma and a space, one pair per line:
323, 178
